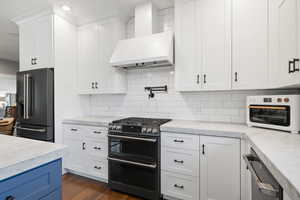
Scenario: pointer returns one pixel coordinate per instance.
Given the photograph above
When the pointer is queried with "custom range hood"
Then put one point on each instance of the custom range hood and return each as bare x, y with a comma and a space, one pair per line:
148, 48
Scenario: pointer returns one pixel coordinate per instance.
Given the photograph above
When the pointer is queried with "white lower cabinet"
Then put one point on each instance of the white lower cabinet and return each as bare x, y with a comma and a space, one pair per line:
200, 167
87, 150
220, 168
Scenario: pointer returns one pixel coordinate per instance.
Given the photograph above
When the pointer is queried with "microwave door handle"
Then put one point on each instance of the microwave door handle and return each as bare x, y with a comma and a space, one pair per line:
265, 188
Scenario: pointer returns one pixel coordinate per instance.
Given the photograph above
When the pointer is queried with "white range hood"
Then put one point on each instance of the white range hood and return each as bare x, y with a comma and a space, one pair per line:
147, 49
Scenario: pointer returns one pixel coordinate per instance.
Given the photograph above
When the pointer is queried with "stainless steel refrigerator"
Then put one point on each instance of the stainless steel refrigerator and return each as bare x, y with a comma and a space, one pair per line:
35, 104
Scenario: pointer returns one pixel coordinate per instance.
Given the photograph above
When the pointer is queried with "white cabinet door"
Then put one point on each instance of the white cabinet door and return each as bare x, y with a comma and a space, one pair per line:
214, 43
219, 168
250, 44
74, 156
44, 42
187, 70
37, 43
27, 45
283, 42
111, 80
88, 59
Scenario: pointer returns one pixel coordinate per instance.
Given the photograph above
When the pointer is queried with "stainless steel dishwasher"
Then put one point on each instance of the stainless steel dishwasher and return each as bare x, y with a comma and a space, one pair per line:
264, 185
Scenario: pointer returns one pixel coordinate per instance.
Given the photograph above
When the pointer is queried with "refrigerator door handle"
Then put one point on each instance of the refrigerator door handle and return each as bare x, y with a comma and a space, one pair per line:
28, 98
24, 96
41, 130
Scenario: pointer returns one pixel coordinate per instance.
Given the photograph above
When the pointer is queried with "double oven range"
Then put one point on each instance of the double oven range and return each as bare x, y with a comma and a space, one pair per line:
134, 156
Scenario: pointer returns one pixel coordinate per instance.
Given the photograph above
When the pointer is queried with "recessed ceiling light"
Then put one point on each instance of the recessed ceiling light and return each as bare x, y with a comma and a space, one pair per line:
66, 8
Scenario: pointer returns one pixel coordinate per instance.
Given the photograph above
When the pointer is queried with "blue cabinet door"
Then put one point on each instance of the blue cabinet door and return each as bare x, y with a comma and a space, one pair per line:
33, 184
56, 195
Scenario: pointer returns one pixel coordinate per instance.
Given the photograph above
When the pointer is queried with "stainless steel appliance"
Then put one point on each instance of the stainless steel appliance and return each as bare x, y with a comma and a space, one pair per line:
35, 104
134, 156
264, 185
281, 112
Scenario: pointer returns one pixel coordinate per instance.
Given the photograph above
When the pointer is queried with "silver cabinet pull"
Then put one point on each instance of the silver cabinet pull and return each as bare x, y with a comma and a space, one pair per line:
133, 138
179, 161
97, 167
97, 148
265, 188
97, 132
179, 186
42, 130
133, 163
179, 141
73, 129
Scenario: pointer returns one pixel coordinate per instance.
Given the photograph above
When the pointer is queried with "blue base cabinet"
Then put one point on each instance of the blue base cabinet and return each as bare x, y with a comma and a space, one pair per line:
41, 183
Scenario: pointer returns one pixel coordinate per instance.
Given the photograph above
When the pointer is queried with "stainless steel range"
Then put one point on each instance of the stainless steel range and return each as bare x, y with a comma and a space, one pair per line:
134, 156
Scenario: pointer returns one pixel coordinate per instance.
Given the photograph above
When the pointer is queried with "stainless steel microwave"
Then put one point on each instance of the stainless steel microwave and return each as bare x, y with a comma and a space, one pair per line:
280, 112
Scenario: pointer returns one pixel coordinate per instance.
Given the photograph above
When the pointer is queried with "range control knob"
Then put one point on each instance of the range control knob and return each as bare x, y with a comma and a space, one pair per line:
144, 130
149, 130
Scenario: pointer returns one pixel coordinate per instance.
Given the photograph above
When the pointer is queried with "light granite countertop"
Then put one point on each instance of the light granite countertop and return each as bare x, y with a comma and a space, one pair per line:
280, 151
18, 155
91, 120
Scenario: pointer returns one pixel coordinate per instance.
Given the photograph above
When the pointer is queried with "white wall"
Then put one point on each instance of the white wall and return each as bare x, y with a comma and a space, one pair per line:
227, 106
8, 71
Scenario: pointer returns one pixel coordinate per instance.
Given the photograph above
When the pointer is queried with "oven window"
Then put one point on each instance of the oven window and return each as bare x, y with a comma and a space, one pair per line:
141, 177
274, 115
134, 150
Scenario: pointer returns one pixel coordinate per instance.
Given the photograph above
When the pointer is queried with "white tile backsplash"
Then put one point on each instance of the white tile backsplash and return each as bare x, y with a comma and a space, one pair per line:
228, 106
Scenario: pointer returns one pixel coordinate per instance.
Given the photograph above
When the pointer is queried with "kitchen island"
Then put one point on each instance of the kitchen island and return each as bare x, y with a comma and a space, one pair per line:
29, 169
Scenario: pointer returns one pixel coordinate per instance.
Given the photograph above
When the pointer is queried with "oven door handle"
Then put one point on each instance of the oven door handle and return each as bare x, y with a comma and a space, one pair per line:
133, 138
133, 163
265, 188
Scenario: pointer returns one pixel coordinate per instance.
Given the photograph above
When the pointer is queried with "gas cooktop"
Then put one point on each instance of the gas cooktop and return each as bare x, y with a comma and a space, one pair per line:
138, 126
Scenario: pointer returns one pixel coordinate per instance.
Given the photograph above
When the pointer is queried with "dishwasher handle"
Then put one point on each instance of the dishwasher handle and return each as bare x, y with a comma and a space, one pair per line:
265, 188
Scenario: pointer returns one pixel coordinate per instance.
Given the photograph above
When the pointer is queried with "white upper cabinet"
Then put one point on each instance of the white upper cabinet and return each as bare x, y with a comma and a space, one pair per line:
219, 168
36, 43
203, 45
95, 46
187, 70
88, 59
250, 44
214, 43
284, 42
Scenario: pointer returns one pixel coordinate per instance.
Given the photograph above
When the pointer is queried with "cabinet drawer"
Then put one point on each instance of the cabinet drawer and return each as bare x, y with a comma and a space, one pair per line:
33, 184
180, 186
180, 141
98, 167
96, 132
181, 161
72, 131
56, 195
96, 148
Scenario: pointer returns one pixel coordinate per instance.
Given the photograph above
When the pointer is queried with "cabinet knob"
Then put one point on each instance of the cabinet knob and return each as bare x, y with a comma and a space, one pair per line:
10, 198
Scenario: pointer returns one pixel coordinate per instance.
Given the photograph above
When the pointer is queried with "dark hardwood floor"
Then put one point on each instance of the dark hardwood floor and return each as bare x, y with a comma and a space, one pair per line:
80, 188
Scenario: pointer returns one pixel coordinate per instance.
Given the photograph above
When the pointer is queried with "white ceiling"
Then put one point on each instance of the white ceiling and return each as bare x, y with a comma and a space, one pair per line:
83, 11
